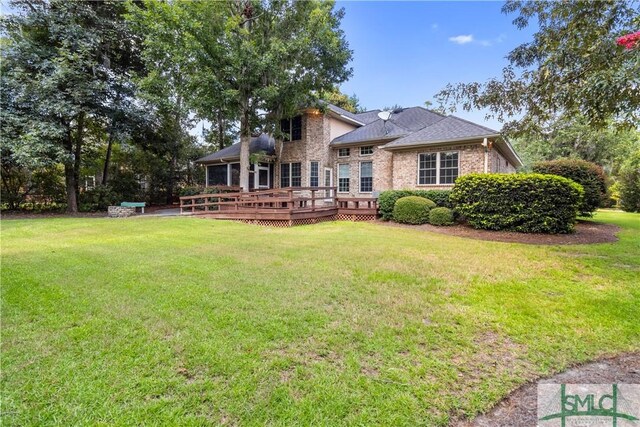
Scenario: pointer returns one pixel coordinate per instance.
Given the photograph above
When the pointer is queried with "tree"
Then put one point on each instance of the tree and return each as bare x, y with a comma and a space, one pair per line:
348, 102
251, 61
629, 184
571, 67
65, 64
572, 137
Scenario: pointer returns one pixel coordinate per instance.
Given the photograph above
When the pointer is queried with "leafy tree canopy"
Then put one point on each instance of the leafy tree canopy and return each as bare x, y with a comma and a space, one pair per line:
573, 66
572, 137
349, 103
250, 61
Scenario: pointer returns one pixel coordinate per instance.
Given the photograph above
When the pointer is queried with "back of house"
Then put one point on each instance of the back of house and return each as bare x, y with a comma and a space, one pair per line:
366, 153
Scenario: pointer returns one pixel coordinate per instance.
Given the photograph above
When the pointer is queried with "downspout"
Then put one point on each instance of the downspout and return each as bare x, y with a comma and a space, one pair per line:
485, 144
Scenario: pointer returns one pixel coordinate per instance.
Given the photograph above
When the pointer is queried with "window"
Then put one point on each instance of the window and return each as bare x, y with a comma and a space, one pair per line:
427, 168
217, 175
235, 174
366, 177
290, 175
314, 178
366, 151
343, 178
448, 167
344, 152
437, 168
292, 127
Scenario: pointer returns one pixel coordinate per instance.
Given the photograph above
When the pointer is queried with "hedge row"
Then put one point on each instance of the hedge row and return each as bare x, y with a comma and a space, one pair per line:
528, 203
587, 174
387, 199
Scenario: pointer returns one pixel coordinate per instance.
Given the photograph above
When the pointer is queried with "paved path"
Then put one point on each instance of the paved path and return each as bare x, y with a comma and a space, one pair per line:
164, 212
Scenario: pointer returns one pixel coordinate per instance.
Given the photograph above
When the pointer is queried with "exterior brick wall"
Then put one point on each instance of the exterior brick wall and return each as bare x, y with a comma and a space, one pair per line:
391, 170
498, 164
405, 165
382, 167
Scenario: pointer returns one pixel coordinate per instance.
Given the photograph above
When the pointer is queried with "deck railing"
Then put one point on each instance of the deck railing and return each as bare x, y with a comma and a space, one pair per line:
291, 199
357, 205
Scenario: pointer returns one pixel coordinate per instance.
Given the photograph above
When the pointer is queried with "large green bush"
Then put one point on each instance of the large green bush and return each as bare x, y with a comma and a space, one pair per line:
528, 203
387, 199
412, 210
587, 174
629, 184
441, 216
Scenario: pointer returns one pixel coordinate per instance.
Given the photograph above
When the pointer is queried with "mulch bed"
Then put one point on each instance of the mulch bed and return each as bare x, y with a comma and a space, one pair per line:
586, 232
520, 407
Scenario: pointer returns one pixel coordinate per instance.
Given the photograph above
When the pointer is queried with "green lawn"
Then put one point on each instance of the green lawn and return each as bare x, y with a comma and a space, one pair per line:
162, 321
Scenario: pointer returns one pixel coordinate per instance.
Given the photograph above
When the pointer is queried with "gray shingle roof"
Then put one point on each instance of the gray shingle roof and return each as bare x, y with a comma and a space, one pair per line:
375, 131
450, 128
401, 123
415, 118
368, 116
259, 143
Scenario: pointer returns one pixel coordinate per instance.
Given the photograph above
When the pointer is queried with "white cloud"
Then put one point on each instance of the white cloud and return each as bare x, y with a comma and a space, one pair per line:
468, 38
462, 39
434, 27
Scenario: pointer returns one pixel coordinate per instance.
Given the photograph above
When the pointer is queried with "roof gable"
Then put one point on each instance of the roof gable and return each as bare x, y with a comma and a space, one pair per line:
402, 122
378, 130
450, 128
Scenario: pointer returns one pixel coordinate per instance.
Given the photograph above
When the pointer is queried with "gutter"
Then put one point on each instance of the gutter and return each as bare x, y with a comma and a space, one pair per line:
442, 141
364, 141
345, 118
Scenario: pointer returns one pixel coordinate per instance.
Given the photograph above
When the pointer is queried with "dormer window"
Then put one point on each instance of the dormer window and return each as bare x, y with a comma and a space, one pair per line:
292, 128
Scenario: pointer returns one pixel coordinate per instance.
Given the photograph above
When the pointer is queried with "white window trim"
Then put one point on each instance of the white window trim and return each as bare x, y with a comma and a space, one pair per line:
368, 154
319, 177
338, 175
290, 173
360, 177
328, 193
437, 167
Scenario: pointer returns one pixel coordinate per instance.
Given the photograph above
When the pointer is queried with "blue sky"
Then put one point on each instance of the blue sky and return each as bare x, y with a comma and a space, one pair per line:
405, 52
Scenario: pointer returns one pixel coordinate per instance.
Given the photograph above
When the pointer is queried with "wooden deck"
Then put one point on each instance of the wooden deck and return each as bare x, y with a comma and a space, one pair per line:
289, 206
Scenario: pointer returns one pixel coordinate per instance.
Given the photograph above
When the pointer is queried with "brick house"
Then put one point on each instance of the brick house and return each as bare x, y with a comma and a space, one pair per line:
362, 154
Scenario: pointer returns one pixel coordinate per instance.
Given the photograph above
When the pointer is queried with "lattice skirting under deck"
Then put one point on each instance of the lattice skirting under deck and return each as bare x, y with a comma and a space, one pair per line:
355, 217
307, 221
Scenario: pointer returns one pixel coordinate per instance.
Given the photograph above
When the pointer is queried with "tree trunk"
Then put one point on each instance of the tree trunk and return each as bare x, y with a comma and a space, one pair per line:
220, 131
172, 174
77, 154
245, 140
107, 161
70, 178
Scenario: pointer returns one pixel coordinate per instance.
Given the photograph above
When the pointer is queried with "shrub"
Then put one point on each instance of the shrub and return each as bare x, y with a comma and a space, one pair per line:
387, 199
98, 199
528, 203
441, 216
191, 191
629, 184
412, 210
587, 174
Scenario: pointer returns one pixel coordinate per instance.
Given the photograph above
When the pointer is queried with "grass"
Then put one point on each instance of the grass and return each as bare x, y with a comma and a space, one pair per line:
187, 321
